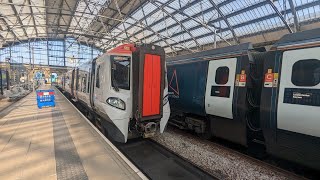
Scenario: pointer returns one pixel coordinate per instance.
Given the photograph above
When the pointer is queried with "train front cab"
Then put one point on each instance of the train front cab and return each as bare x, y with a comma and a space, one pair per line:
290, 99
129, 90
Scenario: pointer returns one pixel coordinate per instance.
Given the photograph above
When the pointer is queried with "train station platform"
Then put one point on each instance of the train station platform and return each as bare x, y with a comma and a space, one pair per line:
57, 143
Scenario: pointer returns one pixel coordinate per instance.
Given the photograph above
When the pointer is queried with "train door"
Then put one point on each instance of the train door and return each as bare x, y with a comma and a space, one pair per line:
220, 85
76, 89
92, 82
72, 82
299, 92
151, 85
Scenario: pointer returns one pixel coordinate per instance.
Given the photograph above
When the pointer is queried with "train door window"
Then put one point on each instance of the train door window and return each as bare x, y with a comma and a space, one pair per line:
222, 75
89, 80
84, 83
98, 77
120, 75
306, 72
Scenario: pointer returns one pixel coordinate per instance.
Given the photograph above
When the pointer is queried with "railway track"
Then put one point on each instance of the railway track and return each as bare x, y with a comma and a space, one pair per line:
157, 162
267, 162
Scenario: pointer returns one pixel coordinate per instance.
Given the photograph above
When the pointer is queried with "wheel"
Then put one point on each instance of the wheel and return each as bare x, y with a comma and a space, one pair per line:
207, 134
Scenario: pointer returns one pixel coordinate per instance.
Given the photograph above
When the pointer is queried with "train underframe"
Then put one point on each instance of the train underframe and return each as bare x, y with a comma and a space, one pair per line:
208, 127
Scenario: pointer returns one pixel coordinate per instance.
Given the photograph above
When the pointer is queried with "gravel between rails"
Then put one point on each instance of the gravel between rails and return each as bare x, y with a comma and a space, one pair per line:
215, 159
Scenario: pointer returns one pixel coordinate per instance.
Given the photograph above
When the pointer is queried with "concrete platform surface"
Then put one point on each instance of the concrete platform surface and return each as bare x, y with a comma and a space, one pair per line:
57, 143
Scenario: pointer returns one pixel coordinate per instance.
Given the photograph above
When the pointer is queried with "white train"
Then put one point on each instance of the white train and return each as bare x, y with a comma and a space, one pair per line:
124, 91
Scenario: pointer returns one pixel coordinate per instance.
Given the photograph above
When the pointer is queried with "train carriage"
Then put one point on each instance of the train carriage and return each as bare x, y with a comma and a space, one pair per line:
270, 99
290, 99
124, 91
210, 91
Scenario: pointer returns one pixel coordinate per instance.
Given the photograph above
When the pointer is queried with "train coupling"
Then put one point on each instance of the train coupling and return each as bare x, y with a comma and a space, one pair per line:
150, 129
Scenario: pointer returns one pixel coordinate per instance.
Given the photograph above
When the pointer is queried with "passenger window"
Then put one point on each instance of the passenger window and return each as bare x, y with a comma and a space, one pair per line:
98, 77
222, 75
306, 72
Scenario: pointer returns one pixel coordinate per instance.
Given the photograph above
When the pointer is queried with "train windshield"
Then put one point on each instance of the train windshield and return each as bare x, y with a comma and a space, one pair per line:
120, 75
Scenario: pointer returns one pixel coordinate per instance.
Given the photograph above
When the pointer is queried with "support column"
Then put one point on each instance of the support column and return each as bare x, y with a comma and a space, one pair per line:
64, 51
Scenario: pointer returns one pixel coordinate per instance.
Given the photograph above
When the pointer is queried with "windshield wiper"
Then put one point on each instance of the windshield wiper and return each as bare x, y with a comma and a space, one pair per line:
114, 83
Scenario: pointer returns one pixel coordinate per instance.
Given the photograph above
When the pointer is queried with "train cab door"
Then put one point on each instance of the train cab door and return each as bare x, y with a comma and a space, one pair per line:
151, 85
220, 86
72, 83
92, 82
76, 84
299, 92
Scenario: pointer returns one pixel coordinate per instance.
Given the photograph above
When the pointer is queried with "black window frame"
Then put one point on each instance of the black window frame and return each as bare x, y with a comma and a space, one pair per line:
112, 72
98, 77
217, 77
84, 83
299, 77
89, 80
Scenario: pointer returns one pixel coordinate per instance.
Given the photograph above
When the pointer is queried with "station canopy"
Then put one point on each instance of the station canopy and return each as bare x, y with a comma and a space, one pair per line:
176, 25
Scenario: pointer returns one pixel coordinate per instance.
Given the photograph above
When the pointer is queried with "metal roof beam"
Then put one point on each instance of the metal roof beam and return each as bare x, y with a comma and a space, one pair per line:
199, 22
304, 6
33, 19
177, 21
18, 16
72, 14
210, 22
295, 16
181, 9
8, 29
125, 16
280, 15
60, 7
225, 19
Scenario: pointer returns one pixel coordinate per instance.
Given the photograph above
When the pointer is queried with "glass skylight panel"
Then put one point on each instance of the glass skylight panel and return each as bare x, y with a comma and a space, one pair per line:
191, 23
180, 17
192, 10
207, 40
138, 14
209, 16
155, 17
181, 37
199, 31
87, 12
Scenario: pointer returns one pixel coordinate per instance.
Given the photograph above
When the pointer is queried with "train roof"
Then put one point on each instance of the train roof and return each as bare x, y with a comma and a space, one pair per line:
123, 49
225, 51
308, 36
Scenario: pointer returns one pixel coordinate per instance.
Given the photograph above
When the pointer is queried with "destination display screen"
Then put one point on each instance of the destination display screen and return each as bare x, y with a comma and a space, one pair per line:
301, 96
220, 91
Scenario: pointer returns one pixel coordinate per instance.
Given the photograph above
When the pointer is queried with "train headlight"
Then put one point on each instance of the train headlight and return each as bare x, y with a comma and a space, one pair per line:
116, 102
165, 99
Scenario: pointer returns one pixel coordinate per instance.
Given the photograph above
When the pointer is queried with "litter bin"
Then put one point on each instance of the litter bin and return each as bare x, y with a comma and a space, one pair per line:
45, 98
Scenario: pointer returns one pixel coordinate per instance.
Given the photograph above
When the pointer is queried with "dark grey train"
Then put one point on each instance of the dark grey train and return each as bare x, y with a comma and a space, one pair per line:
248, 97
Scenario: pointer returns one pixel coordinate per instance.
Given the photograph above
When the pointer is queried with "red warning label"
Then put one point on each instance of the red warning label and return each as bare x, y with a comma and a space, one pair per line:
242, 80
268, 78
